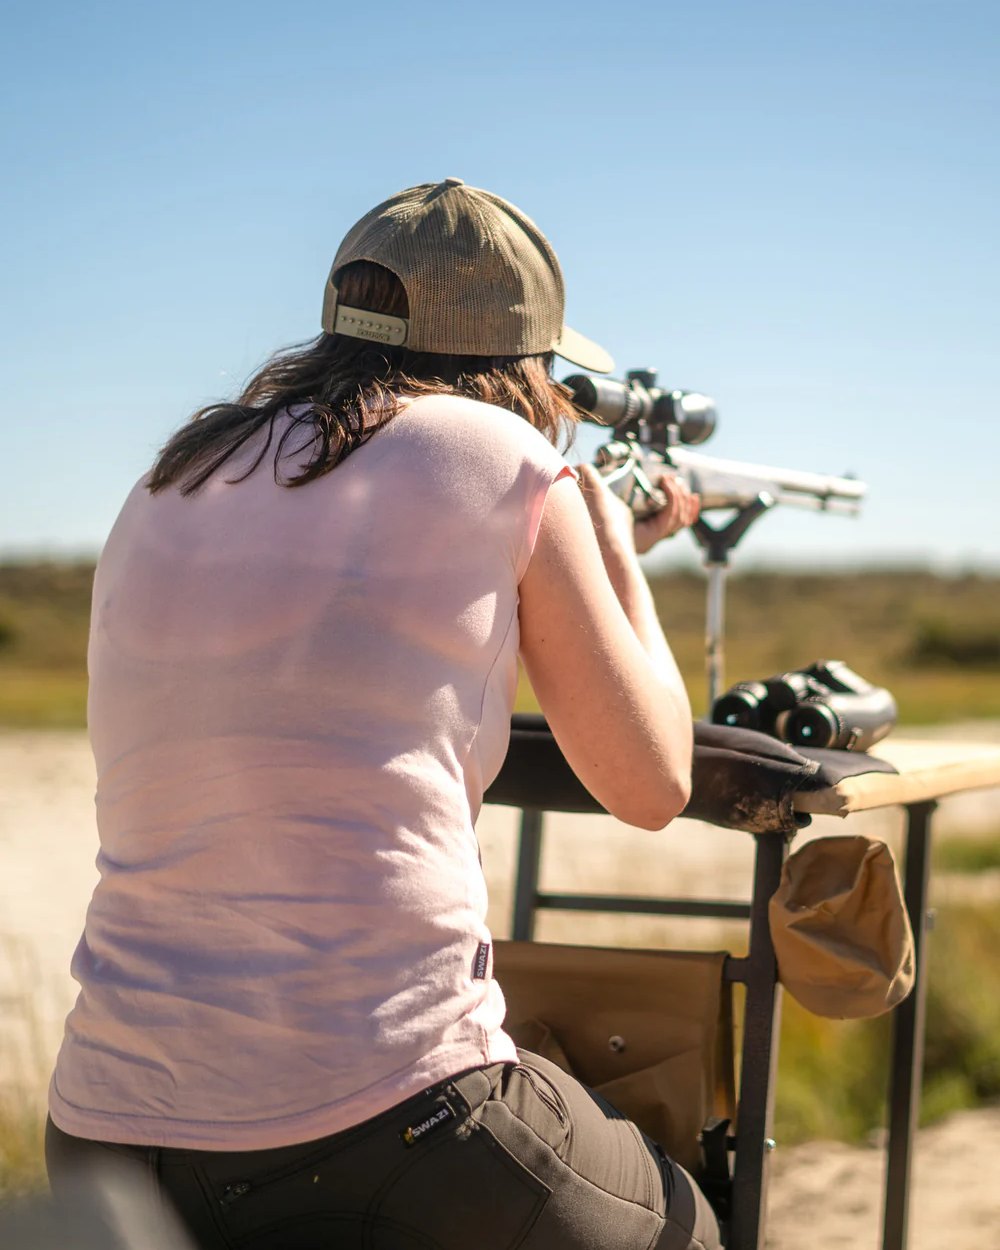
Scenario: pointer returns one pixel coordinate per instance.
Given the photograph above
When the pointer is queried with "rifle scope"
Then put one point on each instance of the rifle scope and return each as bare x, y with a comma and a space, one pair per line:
638, 404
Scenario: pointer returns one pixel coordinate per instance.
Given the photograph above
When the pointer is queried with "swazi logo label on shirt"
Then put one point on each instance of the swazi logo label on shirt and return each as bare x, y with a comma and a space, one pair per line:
481, 962
440, 1116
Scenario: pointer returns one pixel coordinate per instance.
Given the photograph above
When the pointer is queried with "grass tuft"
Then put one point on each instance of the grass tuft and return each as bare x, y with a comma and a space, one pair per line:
23, 1075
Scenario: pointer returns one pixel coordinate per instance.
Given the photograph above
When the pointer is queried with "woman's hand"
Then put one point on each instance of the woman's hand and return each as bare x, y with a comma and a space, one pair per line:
616, 527
613, 521
680, 510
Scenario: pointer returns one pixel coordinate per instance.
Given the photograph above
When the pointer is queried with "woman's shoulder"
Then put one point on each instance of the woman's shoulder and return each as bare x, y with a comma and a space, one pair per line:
460, 408
464, 423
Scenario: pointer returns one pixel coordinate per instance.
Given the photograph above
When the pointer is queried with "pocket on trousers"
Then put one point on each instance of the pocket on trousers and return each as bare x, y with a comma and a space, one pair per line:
535, 1101
465, 1190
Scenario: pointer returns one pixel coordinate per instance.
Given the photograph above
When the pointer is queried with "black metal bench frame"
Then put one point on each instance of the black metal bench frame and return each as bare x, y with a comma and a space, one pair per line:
757, 972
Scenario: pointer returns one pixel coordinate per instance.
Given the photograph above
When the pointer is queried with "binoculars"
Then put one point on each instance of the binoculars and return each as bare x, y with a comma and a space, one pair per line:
824, 705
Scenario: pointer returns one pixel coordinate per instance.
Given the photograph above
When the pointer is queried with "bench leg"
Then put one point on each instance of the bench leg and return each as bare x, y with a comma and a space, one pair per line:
529, 856
758, 1068
908, 1034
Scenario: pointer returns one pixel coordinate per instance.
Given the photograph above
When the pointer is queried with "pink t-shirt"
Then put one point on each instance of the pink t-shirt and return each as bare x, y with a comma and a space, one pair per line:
297, 699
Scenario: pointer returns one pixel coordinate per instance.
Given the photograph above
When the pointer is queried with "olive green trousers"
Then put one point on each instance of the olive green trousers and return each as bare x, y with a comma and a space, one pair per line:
497, 1158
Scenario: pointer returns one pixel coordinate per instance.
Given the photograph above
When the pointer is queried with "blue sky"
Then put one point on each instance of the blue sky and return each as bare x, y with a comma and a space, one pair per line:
790, 206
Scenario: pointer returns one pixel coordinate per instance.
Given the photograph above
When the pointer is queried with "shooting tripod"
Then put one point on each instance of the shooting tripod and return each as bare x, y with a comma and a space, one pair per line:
717, 543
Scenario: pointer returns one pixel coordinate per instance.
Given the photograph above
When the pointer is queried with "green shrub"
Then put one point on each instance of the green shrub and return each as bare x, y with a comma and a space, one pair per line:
967, 855
962, 644
963, 1000
832, 1076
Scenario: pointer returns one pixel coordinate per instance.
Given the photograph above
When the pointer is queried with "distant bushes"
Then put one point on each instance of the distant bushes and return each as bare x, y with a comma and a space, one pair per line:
964, 645
933, 640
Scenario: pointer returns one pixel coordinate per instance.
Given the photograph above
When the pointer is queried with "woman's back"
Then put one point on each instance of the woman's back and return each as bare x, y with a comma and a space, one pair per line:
297, 698
299, 690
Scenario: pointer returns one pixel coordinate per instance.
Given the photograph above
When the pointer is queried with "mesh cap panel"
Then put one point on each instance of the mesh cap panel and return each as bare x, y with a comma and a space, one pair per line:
480, 277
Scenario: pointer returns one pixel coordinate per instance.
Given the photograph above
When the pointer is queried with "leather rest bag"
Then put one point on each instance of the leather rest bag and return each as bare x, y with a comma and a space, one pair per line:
651, 1031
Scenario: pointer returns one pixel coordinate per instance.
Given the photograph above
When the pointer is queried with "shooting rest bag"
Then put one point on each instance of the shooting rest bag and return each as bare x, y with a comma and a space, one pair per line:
742, 779
651, 1031
841, 934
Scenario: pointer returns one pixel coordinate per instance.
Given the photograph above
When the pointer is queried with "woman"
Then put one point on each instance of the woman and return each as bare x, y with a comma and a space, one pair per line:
303, 659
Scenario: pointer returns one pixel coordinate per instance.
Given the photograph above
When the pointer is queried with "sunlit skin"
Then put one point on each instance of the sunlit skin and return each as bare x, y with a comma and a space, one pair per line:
680, 510
595, 653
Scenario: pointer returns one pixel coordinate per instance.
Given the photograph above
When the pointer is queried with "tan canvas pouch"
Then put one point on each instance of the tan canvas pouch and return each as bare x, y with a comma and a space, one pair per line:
649, 1030
841, 934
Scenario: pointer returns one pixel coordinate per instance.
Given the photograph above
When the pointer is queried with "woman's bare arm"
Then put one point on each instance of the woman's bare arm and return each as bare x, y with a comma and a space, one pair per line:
597, 658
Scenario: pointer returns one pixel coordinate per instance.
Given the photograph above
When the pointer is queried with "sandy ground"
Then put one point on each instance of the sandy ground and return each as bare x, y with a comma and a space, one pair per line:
47, 848
827, 1196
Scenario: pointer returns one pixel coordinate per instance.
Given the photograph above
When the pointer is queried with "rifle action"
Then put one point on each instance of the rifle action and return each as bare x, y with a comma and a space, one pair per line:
654, 430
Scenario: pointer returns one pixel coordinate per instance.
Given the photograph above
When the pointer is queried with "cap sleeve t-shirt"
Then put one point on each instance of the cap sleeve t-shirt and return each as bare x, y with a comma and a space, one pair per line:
298, 696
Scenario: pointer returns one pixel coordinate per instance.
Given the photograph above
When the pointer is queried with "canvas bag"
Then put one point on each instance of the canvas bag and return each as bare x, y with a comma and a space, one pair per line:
651, 1031
841, 934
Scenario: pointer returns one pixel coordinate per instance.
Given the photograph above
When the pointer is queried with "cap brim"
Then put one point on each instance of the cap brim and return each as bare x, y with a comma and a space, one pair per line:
580, 351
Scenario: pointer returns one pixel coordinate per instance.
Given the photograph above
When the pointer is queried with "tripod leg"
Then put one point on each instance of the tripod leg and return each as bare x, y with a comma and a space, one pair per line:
715, 628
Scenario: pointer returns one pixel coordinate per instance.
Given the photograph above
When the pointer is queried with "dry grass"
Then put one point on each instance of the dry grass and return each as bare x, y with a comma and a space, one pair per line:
23, 1075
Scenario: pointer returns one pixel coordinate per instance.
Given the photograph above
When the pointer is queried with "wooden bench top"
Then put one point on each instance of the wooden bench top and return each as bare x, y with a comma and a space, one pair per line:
925, 770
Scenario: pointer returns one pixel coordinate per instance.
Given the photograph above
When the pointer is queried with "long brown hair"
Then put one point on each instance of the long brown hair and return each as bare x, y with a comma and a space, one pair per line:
348, 388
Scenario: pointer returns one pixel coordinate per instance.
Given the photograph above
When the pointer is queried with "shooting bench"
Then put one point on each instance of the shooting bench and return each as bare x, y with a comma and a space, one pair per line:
766, 796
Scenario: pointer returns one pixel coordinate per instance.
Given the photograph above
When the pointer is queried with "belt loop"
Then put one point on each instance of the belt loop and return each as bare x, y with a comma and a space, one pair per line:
475, 1087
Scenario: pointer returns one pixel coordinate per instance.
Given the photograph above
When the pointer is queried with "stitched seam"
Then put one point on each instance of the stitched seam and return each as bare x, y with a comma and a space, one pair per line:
630, 1202
647, 1161
211, 1205
486, 683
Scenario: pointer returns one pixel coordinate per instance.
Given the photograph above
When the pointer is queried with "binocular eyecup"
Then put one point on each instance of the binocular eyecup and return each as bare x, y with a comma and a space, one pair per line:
823, 705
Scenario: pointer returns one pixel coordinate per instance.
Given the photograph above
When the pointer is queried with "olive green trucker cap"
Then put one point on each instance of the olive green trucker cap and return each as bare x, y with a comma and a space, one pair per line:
480, 277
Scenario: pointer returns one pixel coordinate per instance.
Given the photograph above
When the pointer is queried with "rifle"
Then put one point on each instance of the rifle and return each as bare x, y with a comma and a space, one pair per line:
653, 430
